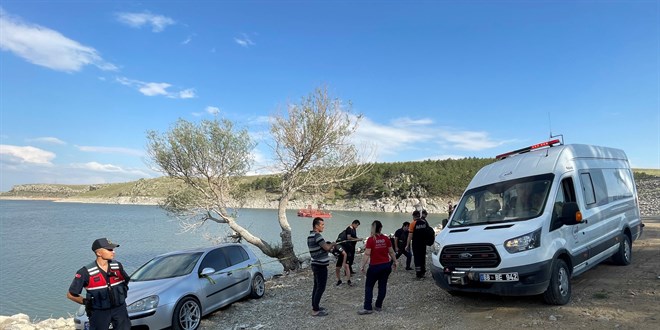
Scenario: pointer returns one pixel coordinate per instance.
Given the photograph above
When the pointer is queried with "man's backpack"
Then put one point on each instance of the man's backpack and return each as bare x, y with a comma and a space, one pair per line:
428, 234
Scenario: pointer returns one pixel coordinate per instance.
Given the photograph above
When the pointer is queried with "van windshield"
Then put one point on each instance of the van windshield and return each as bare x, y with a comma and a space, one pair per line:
514, 200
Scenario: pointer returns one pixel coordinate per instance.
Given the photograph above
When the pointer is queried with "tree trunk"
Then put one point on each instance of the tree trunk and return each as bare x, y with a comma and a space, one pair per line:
288, 257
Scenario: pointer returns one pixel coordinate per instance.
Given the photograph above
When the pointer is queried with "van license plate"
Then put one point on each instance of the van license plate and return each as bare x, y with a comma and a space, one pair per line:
498, 277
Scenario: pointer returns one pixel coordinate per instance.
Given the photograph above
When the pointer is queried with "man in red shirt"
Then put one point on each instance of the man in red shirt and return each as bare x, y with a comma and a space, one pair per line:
380, 256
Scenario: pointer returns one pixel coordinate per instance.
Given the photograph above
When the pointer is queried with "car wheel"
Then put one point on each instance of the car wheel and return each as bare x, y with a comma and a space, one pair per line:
623, 257
258, 287
559, 289
187, 315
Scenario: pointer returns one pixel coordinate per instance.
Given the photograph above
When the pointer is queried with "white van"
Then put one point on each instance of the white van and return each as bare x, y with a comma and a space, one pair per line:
535, 218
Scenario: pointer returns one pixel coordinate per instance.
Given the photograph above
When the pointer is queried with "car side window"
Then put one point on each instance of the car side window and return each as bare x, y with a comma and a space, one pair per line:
236, 254
215, 259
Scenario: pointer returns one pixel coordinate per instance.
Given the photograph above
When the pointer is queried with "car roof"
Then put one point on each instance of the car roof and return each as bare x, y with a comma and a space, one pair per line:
200, 249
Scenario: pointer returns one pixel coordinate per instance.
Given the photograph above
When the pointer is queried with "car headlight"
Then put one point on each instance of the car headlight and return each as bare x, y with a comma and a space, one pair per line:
524, 242
81, 311
143, 304
435, 249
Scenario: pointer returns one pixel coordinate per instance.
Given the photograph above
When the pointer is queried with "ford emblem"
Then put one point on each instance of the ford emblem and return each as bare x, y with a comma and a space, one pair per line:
465, 255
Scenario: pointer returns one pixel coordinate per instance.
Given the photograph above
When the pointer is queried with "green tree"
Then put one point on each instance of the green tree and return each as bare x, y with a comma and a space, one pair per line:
208, 158
313, 152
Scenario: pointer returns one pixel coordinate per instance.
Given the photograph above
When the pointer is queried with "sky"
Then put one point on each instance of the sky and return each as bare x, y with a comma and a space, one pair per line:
81, 82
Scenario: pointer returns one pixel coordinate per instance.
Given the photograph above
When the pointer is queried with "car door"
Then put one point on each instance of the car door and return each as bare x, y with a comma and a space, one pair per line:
239, 270
215, 286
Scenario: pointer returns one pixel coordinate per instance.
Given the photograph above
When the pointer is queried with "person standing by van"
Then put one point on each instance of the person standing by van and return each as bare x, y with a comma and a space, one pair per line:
318, 251
418, 246
380, 256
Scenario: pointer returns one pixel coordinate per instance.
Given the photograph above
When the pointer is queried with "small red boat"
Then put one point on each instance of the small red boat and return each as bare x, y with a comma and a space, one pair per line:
309, 212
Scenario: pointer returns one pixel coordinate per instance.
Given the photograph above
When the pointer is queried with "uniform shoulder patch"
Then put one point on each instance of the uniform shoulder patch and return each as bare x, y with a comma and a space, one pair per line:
78, 276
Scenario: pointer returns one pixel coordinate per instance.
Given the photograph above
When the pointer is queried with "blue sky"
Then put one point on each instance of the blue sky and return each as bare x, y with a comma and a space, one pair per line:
82, 81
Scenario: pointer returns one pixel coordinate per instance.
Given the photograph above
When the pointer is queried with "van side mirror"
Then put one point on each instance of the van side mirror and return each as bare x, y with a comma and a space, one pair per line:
570, 214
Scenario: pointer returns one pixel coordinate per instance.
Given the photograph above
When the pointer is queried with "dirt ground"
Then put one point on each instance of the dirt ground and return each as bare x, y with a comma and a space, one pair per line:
606, 297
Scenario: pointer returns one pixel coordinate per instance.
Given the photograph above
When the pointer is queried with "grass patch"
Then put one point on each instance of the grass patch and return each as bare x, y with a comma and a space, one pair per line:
601, 295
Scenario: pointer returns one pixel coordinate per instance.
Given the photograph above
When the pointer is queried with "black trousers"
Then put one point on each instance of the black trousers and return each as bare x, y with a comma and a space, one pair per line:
419, 255
320, 280
407, 254
118, 316
376, 273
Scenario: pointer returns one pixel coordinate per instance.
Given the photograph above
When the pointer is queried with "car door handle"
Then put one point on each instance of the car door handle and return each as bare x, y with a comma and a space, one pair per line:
228, 273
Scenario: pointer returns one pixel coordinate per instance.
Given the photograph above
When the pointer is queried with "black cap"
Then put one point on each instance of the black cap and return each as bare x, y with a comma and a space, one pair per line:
103, 243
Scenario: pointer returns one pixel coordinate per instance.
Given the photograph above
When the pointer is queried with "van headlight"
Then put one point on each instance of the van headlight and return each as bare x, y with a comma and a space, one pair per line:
143, 304
524, 242
435, 249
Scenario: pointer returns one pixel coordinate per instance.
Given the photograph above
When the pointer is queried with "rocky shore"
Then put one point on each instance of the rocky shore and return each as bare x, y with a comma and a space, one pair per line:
23, 322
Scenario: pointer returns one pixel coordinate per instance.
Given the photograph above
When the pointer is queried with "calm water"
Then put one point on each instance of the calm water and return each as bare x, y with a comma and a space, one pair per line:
43, 244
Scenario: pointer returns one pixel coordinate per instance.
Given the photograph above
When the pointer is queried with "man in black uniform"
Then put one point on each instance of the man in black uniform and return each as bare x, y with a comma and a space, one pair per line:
351, 242
400, 241
416, 242
106, 285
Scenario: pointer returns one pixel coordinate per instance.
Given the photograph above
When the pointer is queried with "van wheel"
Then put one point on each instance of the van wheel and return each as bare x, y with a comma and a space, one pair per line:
623, 257
559, 289
258, 287
187, 315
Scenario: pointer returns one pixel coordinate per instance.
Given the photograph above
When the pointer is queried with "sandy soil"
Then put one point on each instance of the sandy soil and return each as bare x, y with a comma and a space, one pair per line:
606, 297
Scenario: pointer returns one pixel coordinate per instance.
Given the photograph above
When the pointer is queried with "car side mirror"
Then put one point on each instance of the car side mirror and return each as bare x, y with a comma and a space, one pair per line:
206, 272
570, 214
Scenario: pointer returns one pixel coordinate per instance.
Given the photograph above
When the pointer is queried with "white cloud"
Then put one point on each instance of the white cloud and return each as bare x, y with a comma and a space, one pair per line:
107, 168
111, 150
388, 139
137, 20
152, 89
46, 47
469, 140
212, 110
244, 41
155, 89
188, 39
407, 122
48, 139
187, 93
27, 154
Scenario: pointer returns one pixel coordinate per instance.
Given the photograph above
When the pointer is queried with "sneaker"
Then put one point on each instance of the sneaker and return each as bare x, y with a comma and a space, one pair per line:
339, 283
320, 313
349, 283
365, 312
378, 309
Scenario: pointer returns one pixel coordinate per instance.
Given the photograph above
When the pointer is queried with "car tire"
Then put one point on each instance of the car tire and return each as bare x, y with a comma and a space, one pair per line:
258, 287
187, 314
559, 289
623, 257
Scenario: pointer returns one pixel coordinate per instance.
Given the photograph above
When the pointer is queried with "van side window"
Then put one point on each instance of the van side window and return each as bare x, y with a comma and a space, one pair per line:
588, 189
565, 193
619, 184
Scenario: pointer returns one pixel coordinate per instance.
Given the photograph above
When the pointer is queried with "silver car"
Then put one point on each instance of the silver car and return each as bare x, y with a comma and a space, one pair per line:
176, 289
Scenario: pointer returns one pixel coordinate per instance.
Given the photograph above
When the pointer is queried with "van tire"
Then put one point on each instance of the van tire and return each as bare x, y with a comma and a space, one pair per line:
623, 257
559, 289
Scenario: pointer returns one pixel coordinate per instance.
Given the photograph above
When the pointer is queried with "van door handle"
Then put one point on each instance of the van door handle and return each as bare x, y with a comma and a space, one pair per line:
228, 273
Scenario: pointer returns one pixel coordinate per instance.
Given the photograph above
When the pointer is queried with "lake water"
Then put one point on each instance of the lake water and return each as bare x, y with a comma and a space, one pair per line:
43, 244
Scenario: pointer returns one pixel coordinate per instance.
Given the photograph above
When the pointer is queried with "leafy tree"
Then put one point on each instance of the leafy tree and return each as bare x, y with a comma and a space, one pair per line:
314, 153
208, 158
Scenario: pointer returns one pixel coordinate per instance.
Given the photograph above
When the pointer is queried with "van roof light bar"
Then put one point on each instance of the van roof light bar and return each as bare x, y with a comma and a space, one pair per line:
527, 149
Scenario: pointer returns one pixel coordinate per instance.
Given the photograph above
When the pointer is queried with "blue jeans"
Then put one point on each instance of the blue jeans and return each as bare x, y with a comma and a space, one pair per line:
320, 280
376, 273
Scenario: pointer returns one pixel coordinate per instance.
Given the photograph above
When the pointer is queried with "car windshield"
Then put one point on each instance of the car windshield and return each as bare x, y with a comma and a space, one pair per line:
513, 200
166, 267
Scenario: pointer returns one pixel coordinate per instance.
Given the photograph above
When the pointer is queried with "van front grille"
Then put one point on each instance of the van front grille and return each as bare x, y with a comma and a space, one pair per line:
470, 256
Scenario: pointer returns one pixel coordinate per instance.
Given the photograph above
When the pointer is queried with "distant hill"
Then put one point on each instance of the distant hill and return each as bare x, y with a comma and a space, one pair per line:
404, 180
